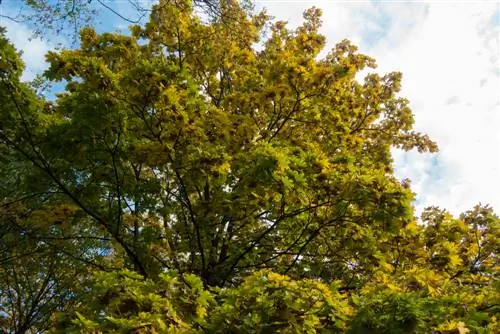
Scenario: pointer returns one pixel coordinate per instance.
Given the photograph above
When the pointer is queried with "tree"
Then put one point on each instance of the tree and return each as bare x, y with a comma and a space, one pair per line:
219, 150
181, 158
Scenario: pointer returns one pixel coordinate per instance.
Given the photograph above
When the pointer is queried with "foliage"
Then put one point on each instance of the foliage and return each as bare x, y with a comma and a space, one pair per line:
443, 275
221, 176
265, 302
271, 303
123, 302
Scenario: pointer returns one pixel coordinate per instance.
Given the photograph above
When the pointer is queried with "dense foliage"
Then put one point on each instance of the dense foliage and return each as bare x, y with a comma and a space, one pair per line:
223, 177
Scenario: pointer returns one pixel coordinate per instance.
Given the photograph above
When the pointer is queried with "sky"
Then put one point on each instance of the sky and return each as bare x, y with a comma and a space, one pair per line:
449, 54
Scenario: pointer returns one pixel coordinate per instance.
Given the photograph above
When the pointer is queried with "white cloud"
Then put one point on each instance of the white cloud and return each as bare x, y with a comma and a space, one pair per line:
449, 56
449, 65
33, 50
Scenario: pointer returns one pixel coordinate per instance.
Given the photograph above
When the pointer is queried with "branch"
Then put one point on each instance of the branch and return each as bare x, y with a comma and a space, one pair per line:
252, 245
120, 15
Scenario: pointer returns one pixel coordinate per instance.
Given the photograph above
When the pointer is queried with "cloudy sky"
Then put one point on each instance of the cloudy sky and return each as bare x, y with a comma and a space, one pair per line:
449, 54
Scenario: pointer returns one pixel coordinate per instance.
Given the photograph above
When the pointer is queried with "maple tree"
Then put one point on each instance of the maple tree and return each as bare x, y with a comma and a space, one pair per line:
188, 181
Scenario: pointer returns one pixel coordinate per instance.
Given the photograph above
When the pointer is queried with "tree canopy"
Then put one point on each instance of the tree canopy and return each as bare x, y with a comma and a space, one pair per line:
221, 176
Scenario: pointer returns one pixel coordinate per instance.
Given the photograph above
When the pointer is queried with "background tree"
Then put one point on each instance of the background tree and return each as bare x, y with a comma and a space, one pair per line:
46, 250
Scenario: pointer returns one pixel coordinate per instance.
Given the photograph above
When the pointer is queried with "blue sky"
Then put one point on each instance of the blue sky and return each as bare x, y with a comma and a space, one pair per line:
449, 54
